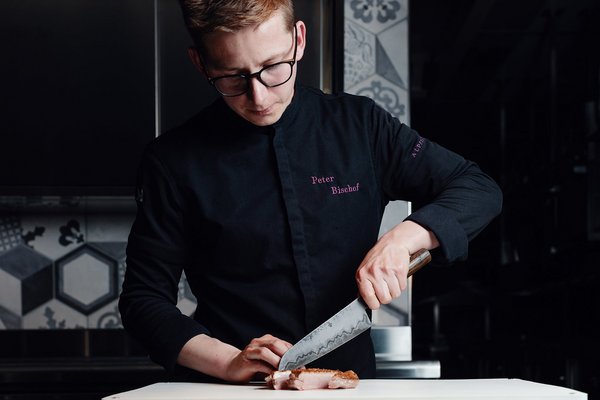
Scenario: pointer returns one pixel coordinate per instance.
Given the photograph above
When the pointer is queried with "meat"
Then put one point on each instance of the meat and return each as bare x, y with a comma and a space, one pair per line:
344, 380
278, 380
312, 378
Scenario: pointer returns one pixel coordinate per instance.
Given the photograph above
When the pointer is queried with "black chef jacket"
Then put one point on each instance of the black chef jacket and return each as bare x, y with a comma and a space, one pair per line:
270, 223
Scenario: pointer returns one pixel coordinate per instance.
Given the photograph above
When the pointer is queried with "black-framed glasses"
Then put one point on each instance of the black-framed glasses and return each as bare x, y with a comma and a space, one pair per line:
271, 75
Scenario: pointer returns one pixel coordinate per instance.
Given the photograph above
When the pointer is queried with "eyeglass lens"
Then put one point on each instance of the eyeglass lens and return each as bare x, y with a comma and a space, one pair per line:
270, 76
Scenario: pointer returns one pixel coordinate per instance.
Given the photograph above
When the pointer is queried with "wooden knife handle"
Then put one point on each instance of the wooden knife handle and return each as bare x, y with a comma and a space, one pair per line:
418, 260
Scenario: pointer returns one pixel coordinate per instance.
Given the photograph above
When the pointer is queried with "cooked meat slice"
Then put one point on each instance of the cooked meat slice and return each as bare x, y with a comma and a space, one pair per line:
310, 378
343, 380
278, 380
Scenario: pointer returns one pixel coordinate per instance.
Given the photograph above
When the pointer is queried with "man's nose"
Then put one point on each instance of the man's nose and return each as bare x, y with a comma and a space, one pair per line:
256, 90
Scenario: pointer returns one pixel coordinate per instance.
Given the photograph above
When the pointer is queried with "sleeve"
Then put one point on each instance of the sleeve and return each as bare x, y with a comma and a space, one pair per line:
156, 254
455, 199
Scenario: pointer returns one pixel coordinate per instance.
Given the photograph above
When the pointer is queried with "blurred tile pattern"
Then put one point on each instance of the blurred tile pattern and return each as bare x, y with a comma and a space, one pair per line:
64, 270
10, 232
25, 279
86, 279
376, 53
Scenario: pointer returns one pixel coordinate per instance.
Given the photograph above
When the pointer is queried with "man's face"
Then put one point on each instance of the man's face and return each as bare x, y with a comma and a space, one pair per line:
248, 51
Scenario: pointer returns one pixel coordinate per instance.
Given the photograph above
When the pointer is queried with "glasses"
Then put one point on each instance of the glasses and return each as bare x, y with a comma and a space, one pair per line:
272, 75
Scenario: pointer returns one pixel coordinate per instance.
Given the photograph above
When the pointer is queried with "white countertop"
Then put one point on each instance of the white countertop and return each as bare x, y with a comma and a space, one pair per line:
381, 389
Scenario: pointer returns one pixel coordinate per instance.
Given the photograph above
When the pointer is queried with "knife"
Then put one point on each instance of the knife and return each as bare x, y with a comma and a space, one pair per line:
344, 326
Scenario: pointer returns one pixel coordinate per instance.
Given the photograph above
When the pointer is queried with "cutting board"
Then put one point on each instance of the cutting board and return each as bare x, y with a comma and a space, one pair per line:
381, 389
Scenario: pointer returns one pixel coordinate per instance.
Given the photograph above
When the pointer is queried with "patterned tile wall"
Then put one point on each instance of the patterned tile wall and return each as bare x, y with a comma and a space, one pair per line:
376, 66
62, 270
376, 53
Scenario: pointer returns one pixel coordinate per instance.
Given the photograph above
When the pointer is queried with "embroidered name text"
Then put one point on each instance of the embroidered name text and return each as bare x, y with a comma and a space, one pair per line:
346, 189
325, 179
417, 147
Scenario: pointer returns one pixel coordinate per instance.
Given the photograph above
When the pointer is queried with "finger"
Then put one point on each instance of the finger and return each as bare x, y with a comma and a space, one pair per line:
394, 286
389, 283
268, 349
278, 346
259, 367
382, 292
367, 292
262, 354
402, 279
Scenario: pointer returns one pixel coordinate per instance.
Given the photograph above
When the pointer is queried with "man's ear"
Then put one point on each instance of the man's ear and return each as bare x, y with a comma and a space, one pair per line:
301, 39
196, 59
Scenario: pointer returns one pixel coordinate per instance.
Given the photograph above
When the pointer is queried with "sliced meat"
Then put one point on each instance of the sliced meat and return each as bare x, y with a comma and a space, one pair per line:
278, 380
312, 378
344, 380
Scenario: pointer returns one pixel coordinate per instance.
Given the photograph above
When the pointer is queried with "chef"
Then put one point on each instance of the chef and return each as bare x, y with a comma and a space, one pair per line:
270, 200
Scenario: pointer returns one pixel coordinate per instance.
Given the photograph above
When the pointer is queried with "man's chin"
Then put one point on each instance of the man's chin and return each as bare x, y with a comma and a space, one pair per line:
261, 120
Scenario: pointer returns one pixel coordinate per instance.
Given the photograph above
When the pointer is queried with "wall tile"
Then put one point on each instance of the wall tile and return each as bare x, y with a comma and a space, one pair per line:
53, 235
8, 319
392, 57
106, 317
25, 279
54, 315
359, 54
378, 15
84, 259
391, 97
98, 230
376, 53
10, 232
86, 279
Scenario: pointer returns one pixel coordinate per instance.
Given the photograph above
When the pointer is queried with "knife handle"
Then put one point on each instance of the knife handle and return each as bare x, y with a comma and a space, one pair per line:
418, 260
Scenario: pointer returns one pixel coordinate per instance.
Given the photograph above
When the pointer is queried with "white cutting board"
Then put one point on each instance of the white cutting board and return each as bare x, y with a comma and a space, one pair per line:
382, 389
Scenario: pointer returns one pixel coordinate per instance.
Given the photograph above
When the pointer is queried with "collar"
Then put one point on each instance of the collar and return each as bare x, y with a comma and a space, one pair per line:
289, 115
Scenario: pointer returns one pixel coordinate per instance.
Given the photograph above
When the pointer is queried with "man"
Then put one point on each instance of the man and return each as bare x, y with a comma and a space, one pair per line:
270, 200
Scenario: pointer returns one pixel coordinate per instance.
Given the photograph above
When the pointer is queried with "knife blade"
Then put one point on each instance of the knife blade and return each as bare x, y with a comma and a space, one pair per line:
342, 327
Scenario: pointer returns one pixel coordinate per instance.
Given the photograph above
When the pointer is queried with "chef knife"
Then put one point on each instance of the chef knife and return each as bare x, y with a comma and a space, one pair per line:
345, 325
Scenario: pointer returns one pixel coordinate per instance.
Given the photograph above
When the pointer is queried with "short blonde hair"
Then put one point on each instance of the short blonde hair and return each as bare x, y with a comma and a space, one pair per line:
206, 16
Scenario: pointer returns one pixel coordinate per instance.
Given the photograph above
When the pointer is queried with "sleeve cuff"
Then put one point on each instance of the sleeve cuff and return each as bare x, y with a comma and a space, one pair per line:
454, 244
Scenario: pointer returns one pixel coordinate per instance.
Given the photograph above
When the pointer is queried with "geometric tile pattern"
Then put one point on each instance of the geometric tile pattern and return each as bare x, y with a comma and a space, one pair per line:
62, 270
86, 279
25, 279
54, 314
54, 234
359, 54
376, 53
10, 232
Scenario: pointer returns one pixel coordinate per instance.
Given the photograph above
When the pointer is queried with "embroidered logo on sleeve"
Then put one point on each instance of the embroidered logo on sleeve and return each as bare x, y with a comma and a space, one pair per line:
417, 147
334, 189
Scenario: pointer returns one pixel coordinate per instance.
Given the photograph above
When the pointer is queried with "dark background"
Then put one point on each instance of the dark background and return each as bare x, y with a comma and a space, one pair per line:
84, 89
514, 85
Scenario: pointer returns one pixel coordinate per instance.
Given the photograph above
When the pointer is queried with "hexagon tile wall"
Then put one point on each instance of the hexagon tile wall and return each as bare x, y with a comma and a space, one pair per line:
62, 271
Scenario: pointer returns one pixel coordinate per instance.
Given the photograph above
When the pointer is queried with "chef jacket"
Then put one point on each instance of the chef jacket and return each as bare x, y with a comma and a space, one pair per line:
270, 223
